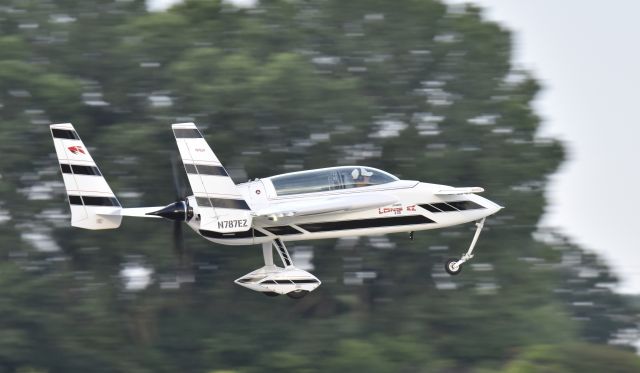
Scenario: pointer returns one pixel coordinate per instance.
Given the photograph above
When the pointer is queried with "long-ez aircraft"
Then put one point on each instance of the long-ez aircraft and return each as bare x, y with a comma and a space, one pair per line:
315, 204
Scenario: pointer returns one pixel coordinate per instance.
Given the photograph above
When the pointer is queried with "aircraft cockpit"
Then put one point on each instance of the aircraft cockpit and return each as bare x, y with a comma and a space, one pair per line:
329, 179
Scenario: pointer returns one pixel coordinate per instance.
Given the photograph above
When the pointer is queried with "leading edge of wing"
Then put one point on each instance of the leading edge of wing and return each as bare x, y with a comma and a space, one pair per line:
316, 206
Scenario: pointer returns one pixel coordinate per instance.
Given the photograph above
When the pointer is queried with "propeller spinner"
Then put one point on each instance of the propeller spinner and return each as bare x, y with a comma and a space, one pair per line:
177, 211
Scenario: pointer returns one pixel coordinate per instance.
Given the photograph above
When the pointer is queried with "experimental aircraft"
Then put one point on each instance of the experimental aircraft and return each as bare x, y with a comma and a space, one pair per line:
306, 205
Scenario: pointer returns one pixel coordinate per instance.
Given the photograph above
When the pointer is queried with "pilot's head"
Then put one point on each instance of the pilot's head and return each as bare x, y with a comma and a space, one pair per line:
361, 176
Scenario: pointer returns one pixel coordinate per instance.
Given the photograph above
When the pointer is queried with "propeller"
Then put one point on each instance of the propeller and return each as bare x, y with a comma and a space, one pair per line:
179, 212
179, 248
178, 182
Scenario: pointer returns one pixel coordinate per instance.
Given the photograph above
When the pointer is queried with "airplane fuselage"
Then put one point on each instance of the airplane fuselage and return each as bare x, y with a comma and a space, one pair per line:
417, 208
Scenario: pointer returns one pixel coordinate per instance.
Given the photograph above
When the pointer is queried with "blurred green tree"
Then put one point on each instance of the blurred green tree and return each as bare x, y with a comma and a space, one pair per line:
416, 87
574, 358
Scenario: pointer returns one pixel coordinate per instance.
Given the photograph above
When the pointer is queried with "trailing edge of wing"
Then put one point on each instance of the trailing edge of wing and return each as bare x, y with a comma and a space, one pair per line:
327, 205
453, 191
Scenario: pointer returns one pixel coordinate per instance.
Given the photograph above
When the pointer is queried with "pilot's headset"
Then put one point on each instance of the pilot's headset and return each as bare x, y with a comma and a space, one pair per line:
356, 173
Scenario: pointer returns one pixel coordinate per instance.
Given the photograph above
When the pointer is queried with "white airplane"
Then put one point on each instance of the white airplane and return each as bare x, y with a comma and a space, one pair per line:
323, 203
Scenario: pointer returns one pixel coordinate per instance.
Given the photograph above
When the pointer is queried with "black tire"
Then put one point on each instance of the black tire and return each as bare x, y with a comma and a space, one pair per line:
449, 269
297, 294
270, 293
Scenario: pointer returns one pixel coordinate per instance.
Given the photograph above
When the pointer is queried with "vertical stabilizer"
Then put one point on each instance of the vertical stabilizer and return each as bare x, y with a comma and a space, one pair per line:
93, 204
222, 207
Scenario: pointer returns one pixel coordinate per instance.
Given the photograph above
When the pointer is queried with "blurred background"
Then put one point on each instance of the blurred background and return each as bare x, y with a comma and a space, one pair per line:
426, 90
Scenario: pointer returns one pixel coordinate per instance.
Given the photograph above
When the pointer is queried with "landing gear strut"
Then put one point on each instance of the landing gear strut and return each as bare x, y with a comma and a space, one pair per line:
454, 266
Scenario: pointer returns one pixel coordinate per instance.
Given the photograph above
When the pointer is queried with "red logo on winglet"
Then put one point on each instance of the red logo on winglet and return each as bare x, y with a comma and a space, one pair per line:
76, 149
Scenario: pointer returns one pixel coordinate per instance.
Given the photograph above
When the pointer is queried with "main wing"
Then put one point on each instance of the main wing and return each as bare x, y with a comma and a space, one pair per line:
220, 202
328, 205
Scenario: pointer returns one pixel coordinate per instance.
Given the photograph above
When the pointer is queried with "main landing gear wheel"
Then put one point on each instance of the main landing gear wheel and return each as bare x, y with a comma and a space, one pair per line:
297, 294
452, 267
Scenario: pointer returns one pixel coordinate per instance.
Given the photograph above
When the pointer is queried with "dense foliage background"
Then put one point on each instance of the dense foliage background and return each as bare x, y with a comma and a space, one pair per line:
420, 89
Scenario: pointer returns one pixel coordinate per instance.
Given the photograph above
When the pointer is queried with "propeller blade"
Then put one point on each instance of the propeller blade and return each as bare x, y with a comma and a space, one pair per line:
178, 242
179, 212
178, 181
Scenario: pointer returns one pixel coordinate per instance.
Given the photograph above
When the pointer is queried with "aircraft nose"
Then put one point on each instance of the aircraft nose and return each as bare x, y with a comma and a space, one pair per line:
491, 206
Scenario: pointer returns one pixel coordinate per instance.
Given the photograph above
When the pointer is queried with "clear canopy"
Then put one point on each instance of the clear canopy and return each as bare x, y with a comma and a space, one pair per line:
329, 179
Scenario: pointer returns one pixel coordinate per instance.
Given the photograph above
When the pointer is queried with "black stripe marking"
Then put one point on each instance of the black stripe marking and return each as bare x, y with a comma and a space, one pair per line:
283, 230
211, 170
225, 203
452, 206
430, 208
100, 201
205, 169
203, 202
64, 134
187, 133
466, 205
443, 206
283, 252
245, 280
288, 282
80, 170
365, 223
246, 234
85, 170
190, 168
66, 169
93, 201
309, 281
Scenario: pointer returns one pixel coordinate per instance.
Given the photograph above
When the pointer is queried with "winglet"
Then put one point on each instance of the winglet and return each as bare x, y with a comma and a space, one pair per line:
222, 206
92, 202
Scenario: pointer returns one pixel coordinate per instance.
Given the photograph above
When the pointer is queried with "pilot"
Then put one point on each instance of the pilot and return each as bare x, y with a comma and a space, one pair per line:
361, 177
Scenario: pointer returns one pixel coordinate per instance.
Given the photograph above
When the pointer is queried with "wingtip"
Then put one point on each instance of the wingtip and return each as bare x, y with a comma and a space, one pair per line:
183, 125
61, 125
